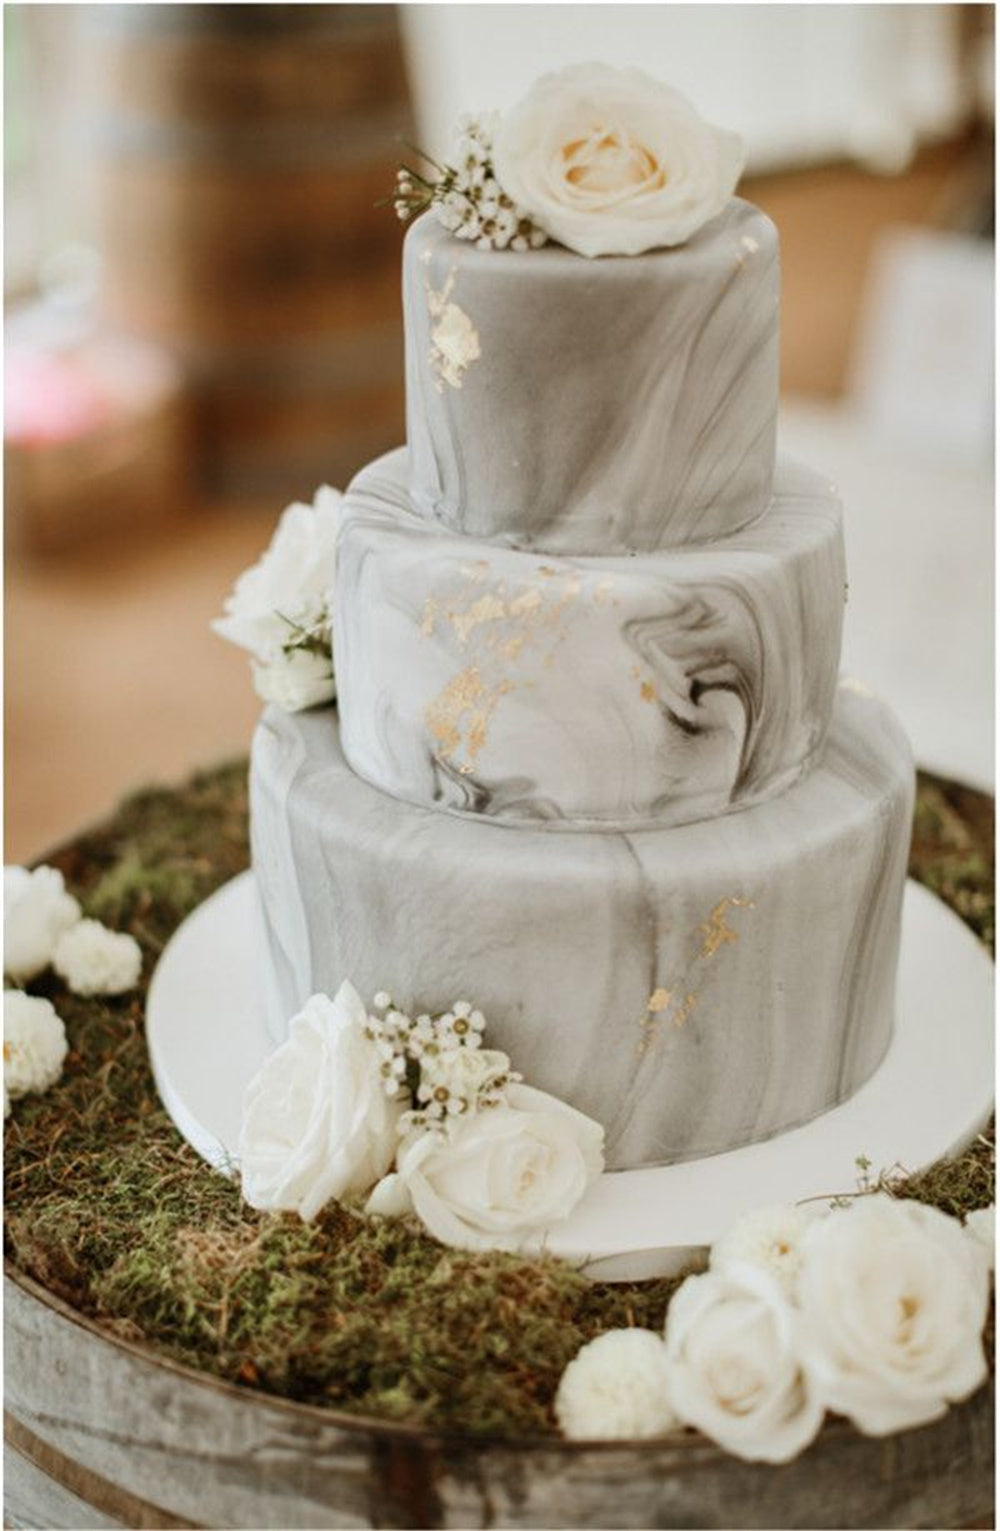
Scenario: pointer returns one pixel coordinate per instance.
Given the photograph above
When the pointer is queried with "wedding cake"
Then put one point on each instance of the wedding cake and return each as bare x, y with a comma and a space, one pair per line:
591, 764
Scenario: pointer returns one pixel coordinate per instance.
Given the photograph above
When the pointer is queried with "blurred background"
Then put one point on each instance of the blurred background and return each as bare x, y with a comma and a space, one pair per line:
203, 323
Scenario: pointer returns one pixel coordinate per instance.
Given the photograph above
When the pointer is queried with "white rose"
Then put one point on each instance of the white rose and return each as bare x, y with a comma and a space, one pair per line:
295, 681
735, 1372
894, 1298
616, 1389
981, 1227
95, 960
496, 1179
290, 583
770, 1237
611, 162
317, 1123
34, 1044
36, 911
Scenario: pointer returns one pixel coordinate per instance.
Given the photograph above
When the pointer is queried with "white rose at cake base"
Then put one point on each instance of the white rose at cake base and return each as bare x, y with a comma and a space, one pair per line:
894, 1297
612, 162
498, 1179
735, 1368
317, 1123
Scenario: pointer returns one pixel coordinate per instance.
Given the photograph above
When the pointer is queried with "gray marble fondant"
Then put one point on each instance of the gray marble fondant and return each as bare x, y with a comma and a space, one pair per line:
659, 688
693, 989
591, 406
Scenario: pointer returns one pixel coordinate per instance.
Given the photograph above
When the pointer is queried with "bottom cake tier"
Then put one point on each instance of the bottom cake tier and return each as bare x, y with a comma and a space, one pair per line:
694, 989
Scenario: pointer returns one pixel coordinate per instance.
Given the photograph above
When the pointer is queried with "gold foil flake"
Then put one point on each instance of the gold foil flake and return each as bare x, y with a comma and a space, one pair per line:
527, 601
683, 1011
454, 338
460, 715
658, 1001
647, 691
714, 931
489, 608
429, 620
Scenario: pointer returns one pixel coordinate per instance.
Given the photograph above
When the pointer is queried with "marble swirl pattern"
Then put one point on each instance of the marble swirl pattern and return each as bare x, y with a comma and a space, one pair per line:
608, 691
588, 406
693, 989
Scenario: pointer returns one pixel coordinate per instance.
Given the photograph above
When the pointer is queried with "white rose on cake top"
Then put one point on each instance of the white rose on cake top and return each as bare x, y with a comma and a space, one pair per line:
496, 1178
279, 609
317, 1122
37, 910
893, 1296
612, 162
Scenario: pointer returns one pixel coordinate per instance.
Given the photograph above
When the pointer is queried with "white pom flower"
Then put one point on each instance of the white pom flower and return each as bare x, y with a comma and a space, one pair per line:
95, 960
769, 1237
37, 910
981, 1227
296, 681
497, 1179
616, 1389
893, 1298
291, 582
317, 1122
611, 162
735, 1371
34, 1044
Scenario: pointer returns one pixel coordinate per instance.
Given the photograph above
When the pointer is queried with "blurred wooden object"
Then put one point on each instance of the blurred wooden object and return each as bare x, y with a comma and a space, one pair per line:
244, 148
111, 458
830, 219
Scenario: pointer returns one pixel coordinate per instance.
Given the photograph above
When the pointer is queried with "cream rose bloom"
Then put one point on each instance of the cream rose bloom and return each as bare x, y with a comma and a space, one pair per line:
612, 162
615, 1388
36, 911
893, 1297
317, 1123
981, 1227
291, 580
296, 681
34, 1044
497, 1178
735, 1372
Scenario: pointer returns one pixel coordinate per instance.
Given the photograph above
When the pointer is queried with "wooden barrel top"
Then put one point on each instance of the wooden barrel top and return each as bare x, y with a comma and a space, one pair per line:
101, 1432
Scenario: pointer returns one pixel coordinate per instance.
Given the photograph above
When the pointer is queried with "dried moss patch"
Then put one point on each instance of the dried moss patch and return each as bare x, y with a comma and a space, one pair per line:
110, 1210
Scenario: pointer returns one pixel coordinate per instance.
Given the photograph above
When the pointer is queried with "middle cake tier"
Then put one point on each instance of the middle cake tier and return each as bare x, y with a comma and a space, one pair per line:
619, 691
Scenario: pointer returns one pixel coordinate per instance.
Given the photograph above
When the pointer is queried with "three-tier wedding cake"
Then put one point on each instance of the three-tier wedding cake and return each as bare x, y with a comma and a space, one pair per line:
591, 763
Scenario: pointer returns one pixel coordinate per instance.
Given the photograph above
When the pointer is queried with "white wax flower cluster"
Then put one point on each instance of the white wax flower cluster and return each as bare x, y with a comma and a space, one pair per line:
280, 609
466, 195
874, 1312
416, 1114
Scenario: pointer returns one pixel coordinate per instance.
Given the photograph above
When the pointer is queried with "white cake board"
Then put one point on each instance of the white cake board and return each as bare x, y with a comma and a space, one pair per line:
933, 1092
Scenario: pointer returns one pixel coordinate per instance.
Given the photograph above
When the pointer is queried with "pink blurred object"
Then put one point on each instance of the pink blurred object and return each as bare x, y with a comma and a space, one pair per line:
96, 441
51, 398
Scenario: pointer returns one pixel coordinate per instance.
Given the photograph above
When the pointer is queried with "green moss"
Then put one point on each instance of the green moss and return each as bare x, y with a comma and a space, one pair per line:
108, 1208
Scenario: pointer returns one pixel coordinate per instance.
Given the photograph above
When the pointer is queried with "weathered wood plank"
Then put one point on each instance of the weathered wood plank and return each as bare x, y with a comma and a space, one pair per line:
215, 1455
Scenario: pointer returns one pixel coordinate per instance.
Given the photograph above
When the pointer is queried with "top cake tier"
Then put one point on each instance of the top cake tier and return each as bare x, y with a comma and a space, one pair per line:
588, 406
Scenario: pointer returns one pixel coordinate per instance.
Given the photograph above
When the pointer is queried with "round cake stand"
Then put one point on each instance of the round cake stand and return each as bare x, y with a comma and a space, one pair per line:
931, 1094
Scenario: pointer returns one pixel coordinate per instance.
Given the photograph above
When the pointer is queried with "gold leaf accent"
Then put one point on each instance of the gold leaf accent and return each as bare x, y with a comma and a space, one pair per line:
659, 1000
647, 691
715, 932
